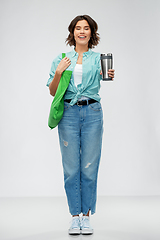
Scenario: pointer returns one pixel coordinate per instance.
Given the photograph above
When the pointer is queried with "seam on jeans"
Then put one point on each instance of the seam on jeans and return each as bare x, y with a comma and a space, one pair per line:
95, 181
76, 194
85, 213
77, 188
93, 190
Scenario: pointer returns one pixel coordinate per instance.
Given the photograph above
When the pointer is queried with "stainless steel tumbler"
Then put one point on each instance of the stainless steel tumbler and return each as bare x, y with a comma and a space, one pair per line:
106, 64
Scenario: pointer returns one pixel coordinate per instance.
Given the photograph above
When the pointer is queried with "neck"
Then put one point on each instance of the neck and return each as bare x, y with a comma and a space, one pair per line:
81, 49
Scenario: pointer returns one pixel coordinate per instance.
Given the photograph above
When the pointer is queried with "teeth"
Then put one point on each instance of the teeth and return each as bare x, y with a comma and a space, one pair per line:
81, 37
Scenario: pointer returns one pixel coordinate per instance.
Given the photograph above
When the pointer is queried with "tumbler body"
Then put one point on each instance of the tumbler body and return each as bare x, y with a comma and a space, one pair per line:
106, 64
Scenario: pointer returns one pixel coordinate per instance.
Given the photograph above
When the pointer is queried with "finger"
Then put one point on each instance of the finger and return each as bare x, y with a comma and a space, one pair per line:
68, 60
111, 76
110, 73
65, 58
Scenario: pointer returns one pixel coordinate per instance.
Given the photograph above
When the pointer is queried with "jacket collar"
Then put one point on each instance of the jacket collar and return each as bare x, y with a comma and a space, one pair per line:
87, 54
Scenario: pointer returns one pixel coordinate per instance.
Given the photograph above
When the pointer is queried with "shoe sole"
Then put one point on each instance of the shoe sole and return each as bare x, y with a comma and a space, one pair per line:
86, 231
74, 232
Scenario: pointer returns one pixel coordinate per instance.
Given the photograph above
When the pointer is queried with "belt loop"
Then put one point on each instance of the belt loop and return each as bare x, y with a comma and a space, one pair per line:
87, 101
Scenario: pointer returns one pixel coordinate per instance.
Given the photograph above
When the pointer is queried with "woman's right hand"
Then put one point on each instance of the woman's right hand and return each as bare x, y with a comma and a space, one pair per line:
63, 65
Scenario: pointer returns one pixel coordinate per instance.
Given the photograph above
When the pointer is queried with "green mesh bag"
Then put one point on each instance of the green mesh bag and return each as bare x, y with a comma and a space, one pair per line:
57, 106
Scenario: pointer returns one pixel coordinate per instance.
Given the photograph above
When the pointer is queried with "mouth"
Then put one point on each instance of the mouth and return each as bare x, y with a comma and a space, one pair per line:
82, 37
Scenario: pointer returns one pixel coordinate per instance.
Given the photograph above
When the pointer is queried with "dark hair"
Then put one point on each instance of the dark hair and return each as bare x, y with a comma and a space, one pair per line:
94, 40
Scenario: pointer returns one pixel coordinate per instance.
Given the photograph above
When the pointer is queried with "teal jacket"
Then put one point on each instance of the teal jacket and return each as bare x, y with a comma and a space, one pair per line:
91, 77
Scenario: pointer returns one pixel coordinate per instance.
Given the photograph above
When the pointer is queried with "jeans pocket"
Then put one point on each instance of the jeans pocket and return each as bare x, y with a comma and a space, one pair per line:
96, 106
66, 106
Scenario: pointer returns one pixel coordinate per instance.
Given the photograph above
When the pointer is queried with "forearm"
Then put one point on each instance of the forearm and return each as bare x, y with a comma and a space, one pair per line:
62, 66
54, 84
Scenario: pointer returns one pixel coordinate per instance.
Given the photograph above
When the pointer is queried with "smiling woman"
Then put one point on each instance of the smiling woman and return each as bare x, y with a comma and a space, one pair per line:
81, 127
82, 33
90, 24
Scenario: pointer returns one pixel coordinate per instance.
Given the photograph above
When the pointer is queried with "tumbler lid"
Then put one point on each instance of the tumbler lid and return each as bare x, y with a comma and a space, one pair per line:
106, 56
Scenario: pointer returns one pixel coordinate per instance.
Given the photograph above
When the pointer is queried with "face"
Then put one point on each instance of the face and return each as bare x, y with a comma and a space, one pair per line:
82, 33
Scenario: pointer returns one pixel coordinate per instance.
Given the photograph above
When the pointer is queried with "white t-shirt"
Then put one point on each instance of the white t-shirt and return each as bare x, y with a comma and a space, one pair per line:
78, 78
78, 74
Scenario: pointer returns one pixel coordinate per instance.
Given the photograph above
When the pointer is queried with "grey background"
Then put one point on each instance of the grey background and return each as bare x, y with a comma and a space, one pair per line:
32, 35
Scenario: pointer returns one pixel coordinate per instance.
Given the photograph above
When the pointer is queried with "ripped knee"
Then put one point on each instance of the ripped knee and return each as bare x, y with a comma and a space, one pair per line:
88, 164
65, 143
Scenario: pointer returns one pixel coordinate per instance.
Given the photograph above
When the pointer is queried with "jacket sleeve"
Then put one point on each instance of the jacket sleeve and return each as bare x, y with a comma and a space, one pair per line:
99, 67
54, 65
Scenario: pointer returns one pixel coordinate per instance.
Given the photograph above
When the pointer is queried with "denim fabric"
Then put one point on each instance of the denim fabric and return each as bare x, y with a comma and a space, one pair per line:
80, 135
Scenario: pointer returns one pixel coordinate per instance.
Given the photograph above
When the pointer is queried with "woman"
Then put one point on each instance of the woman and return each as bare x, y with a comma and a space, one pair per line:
80, 130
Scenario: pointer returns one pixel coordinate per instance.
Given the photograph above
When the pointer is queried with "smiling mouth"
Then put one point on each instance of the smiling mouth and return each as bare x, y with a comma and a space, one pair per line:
82, 37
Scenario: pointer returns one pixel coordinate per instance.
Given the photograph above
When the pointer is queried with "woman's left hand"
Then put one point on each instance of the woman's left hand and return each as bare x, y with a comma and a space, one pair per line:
110, 72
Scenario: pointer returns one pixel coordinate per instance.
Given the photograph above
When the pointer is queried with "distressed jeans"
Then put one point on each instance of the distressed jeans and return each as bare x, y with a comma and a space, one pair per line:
80, 135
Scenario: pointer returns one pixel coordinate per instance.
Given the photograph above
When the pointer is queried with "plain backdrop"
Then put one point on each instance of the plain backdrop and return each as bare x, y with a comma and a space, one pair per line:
33, 33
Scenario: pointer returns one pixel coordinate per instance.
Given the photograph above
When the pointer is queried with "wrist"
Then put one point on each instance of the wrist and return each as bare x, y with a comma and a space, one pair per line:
58, 72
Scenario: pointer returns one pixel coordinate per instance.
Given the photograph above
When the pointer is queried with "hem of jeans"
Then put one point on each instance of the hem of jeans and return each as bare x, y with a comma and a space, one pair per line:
91, 211
74, 214
78, 213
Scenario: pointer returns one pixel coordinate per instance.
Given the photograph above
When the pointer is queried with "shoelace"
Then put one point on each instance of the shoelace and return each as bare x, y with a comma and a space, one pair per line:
85, 223
75, 223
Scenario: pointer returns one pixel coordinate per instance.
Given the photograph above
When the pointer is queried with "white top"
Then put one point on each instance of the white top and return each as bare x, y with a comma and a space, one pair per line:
77, 74
78, 78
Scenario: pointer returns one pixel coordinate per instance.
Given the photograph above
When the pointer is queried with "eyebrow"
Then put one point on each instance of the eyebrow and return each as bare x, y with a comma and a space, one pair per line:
84, 26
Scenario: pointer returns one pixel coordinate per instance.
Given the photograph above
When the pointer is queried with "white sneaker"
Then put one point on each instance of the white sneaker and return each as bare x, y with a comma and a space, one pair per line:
75, 226
86, 226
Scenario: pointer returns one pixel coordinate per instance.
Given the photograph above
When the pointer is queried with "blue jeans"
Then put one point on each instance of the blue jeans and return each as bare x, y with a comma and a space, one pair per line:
80, 135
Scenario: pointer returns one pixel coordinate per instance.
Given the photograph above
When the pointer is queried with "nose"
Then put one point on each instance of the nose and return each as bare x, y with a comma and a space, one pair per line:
82, 30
